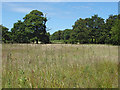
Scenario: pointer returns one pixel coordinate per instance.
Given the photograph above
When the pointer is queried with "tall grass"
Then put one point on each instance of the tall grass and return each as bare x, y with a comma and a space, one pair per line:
59, 66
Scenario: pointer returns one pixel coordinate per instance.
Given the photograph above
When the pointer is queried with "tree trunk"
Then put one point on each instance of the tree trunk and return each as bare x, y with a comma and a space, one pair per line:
36, 41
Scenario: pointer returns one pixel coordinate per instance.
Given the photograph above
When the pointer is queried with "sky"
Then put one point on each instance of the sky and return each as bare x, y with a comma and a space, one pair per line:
61, 15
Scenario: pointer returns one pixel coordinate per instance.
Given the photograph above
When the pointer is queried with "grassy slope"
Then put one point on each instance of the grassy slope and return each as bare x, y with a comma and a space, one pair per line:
60, 65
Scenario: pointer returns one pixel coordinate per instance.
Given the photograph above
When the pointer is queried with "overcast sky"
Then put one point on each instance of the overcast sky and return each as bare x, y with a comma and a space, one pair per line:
61, 15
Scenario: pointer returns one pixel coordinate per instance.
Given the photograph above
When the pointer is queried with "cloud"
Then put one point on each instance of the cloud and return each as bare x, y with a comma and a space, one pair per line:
86, 8
79, 7
22, 10
27, 7
17, 7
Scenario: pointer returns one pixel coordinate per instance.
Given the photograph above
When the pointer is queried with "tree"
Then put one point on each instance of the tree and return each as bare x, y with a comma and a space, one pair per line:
61, 35
115, 33
73, 39
19, 34
66, 35
35, 24
95, 27
91, 30
5, 34
33, 28
81, 31
108, 26
57, 35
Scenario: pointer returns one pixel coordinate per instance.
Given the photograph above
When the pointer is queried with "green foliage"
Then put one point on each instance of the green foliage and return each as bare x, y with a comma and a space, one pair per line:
57, 35
108, 26
115, 33
94, 30
66, 34
32, 29
19, 33
36, 24
6, 35
80, 31
89, 30
61, 35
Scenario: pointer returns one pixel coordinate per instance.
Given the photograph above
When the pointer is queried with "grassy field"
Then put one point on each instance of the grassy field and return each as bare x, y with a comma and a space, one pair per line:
59, 66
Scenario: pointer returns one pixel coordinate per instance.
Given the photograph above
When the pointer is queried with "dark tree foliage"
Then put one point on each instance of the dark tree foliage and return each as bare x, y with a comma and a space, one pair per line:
61, 35
115, 33
80, 31
32, 29
57, 35
19, 34
6, 35
94, 30
108, 27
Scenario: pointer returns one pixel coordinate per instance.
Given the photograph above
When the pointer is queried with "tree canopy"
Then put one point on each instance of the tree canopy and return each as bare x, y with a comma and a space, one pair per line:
32, 29
93, 30
6, 35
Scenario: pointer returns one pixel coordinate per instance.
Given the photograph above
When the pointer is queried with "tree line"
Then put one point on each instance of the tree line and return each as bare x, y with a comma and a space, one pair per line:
93, 30
32, 29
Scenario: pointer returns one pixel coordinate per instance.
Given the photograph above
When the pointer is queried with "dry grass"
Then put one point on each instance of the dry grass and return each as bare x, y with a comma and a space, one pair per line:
59, 66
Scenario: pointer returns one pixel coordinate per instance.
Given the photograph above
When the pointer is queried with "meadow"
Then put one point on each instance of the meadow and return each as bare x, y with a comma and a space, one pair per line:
59, 66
